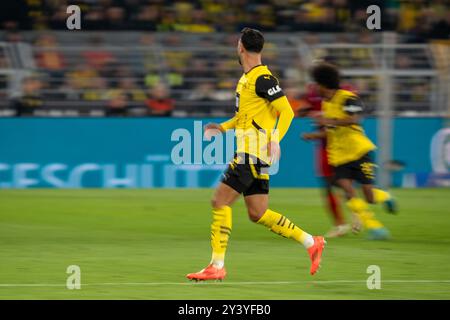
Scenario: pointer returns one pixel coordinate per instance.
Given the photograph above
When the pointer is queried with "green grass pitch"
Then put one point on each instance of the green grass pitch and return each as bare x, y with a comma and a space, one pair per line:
139, 244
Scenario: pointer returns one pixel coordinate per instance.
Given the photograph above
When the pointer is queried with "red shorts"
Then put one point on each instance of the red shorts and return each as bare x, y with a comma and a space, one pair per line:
322, 166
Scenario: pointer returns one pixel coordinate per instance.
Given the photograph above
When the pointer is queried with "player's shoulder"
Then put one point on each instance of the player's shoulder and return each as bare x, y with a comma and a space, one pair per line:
268, 87
264, 78
257, 72
266, 81
347, 97
347, 94
351, 103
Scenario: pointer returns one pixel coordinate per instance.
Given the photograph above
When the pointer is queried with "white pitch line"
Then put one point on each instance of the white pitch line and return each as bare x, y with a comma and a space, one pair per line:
216, 283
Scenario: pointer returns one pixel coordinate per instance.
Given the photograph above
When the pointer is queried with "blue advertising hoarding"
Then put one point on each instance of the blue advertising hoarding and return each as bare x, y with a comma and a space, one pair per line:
138, 153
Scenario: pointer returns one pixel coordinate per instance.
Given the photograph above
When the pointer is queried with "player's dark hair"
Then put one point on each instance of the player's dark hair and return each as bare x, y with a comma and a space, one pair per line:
326, 75
252, 40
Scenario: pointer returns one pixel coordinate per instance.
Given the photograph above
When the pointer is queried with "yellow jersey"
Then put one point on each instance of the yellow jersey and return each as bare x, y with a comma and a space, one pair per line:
259, 103
345, 143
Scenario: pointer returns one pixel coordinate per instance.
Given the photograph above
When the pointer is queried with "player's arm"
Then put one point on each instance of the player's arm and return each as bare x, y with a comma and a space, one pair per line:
229, 124
317, 135
267, 87
304, 112
213, 128
353, 107
285, 115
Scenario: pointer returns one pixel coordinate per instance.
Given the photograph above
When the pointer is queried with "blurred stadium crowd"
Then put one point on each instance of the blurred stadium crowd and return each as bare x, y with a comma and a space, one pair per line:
420, 17
189, 66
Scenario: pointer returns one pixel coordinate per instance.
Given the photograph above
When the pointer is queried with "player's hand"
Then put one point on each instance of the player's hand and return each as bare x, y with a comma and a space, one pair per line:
273, 151
323, 122
315, 114
308, 136
212, 129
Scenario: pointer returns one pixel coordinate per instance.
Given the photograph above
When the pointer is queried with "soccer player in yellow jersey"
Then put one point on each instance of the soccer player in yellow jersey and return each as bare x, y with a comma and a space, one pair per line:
349, 148
263, 116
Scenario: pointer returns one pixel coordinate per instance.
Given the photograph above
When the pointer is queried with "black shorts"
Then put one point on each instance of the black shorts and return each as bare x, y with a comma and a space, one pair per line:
247, 174
361, 170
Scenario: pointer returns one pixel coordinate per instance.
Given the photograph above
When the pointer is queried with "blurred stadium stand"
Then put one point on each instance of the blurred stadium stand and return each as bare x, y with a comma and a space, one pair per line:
185, 64
129, 73
420, 19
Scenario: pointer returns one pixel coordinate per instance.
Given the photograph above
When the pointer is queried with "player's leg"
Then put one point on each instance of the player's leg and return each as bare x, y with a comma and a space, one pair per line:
376, 231
258, 212
235, 180
380, 196
359, 206
363, 172
325, 171
333, 202
347, 186
340, 228
374, 195
223, 198
365, 175
221, 226
367, 190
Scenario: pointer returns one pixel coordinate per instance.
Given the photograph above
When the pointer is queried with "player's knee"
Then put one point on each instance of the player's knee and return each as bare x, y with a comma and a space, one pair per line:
368, 194
215, 203
349, 194
254, 217
255, 214
370, 199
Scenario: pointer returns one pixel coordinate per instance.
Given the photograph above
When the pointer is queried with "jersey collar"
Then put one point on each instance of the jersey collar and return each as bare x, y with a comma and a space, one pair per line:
258, 65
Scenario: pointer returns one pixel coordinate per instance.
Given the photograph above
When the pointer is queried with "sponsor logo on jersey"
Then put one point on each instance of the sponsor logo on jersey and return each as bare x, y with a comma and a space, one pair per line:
353, 108
274, 90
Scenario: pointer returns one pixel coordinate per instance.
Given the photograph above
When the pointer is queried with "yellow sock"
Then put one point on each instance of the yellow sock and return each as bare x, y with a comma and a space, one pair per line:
361, 209
380, 196
281, 225
220, 233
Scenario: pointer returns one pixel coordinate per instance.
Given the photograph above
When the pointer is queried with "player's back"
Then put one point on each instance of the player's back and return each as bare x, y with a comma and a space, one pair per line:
251, 104
255, 117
